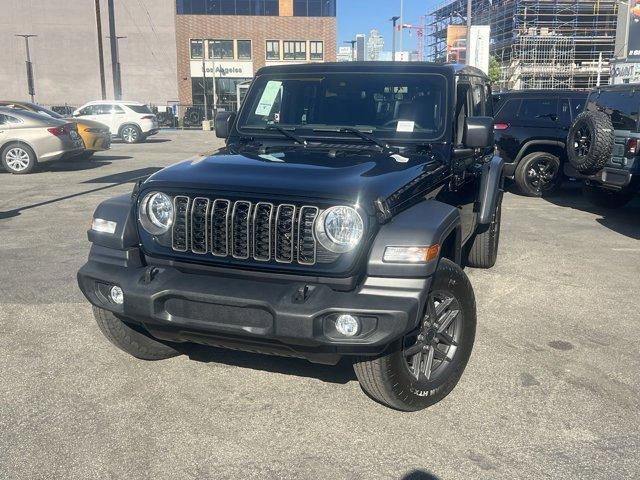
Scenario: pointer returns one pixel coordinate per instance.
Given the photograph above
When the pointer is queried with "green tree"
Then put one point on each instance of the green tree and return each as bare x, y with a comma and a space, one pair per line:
494, 70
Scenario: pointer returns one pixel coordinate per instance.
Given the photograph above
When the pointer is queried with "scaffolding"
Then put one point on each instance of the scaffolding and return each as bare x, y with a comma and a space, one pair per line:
537, 43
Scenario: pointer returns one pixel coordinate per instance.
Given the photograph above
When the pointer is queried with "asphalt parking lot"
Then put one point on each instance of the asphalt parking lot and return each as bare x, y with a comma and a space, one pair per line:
552, 389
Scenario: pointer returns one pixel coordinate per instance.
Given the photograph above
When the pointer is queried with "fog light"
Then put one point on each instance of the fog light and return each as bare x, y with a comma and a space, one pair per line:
347, 325
116, 295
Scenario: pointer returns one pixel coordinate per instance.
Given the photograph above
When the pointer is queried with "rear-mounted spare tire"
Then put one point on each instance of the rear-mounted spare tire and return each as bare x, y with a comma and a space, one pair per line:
590, 142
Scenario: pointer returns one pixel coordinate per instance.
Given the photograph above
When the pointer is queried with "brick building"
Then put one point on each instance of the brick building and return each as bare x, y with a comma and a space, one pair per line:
234, 38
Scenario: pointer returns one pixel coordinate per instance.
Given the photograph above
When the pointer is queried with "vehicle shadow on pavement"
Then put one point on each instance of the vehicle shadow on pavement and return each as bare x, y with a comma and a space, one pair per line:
148, 140
419, 475
625, 221
341, 373
78, 165
131, 176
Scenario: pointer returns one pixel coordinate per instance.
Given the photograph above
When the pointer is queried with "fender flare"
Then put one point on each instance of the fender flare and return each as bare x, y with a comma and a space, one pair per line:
552, 143
491, 184
427, 223
119, 210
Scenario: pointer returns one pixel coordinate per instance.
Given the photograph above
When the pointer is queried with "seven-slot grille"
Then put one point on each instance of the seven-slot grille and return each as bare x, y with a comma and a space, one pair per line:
245, 230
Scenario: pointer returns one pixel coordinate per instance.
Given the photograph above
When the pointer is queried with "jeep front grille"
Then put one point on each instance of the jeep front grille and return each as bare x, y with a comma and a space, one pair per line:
246, 230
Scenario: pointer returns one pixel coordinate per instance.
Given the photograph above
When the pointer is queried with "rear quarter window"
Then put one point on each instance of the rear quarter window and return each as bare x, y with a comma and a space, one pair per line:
622, 107
140, 108
506, 109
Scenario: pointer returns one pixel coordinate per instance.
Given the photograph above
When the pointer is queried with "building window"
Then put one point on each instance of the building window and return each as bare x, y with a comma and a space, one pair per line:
273, 50
316, 51
220, 49
314, 8
228, 7
244, 49
295, 50
196, 48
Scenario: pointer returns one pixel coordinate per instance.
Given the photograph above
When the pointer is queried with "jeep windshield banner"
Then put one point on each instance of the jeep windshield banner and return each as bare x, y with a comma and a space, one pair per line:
634, 32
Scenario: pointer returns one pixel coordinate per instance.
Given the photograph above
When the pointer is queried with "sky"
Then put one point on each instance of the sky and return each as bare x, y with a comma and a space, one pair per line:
360, 16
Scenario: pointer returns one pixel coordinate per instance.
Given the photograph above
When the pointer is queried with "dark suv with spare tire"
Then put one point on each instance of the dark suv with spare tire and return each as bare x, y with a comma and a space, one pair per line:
603, 145
335, 222
531, 129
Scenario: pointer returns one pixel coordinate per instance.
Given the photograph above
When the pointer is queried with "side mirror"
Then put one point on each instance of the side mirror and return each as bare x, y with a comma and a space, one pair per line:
223, 122
478, 132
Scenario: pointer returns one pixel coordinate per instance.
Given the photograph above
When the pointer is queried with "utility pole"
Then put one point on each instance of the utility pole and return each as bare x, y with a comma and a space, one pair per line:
394, 19
467, 53
402, 25
103, 88
204, 82
30, 84
352, 43
115, 63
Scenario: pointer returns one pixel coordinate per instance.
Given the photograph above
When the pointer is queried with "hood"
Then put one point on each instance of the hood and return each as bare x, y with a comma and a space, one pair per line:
359, 177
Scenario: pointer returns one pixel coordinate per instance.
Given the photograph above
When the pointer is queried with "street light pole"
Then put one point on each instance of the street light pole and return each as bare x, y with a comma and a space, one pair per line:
353, 44
468, 46
30, 84
394, 19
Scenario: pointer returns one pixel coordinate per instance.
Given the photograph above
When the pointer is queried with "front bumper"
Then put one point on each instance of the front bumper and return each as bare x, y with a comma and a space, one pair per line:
289, 318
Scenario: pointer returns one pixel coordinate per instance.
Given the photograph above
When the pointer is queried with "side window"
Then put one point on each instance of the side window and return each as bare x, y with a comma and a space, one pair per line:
8, 120
102, 110
577, 104
565, 112
542, 109
477, 100
89, 110
488, 101
463, 96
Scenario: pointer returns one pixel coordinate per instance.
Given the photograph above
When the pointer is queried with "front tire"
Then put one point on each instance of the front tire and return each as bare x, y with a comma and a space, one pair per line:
538, 174
483, 249
427, 364
18, 158
131, 134
605, 198
134, 341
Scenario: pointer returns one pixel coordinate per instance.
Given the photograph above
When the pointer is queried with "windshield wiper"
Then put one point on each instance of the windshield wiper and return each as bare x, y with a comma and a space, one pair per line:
365, 136
287, 133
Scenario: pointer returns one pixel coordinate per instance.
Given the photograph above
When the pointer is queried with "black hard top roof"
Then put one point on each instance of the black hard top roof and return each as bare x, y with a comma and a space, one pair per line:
543, 93
620, 86
351, 67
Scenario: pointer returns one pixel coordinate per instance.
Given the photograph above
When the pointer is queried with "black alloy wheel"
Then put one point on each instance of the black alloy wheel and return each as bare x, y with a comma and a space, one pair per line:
542, 174
582, 141
430, 351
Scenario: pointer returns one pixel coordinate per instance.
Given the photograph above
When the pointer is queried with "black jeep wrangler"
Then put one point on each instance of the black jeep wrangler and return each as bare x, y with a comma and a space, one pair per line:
334, 223
531, 129
603, 146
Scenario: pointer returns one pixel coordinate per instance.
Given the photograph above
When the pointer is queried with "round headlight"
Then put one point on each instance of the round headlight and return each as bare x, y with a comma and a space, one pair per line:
339, 229
156, 213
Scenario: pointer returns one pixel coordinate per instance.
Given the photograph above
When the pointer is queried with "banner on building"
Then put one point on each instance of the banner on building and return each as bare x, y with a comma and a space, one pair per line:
633, 43
479, 47
456, 43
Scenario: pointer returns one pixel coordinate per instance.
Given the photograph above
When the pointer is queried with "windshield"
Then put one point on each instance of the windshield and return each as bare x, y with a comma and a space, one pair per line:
390, 105
46, 111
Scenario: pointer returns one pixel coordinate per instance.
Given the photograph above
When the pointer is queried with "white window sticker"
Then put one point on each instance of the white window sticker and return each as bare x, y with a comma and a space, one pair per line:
268, 98
405, 126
